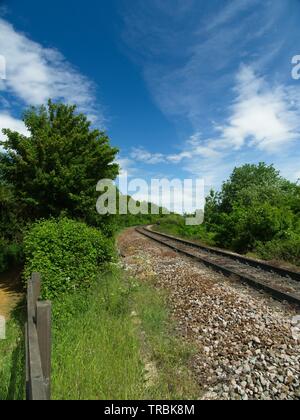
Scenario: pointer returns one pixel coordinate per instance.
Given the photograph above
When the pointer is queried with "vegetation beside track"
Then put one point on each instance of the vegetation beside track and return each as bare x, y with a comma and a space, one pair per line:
256, 211
12, 358
119, 344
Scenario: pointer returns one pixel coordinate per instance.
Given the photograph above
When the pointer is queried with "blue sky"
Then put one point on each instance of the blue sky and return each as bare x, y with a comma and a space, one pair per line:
185, 88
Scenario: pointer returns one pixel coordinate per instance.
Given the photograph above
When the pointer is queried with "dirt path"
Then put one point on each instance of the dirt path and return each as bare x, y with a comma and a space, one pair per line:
244, 340
10, 291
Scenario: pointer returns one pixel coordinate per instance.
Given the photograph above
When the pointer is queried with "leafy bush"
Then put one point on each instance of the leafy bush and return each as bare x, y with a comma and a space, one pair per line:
256, 208
67, 253
245, 226
281, 249
175, 224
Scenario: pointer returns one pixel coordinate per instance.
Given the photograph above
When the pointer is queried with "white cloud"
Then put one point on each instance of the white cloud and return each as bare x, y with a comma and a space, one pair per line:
35, 74
7, 121
198, 151
177, 158
126, 167
189, 63
195, 146
262, 116
140, 154
229, 12
192, 64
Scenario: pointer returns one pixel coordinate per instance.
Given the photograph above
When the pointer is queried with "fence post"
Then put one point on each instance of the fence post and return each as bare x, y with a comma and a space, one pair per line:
43, 325
36, 290
38, 342
27, 386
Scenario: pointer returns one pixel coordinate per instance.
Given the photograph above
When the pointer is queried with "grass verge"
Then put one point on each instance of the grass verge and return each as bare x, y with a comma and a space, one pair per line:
114, 342
197, 233
12, 358
118, 344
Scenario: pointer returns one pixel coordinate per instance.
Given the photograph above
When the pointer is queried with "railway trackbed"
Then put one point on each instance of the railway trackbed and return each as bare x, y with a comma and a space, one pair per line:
281, 284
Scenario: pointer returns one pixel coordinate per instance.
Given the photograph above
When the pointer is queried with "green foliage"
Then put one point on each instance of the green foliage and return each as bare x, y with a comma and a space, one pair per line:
175, 224
67, 253
250, 183
256, 210
255, 205
128, 220
10, 228
10, 214
12, 358
287, 249
51, 173
55, 170
102, 351
244, 226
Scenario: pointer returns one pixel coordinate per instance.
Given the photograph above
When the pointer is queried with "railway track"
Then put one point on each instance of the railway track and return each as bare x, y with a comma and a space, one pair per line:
281, 284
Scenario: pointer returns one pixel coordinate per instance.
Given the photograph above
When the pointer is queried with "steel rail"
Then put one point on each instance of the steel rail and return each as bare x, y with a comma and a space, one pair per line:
249, 279
294, 275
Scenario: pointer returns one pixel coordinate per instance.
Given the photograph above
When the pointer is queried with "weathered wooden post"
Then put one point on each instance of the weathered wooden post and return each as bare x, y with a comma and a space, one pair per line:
43, 324
36, 290
38, 342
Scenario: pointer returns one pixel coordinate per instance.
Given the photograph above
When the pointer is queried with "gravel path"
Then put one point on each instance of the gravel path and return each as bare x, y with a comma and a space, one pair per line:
10, 291
247, 344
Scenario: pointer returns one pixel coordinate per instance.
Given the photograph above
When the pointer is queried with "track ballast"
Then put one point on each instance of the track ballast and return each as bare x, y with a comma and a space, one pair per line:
280, 283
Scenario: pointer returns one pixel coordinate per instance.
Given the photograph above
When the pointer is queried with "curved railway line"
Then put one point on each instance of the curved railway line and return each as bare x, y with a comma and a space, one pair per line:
280, 283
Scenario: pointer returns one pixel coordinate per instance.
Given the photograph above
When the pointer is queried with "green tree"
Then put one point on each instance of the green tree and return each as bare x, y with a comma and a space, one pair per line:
250, 182
55, 170
255, 205
10, 222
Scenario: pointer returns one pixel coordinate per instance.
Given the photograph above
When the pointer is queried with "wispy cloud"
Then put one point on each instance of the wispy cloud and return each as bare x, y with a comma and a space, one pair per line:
229, 12
140, 154
262, 115
36, 73
188, 62
193, 147
224, 71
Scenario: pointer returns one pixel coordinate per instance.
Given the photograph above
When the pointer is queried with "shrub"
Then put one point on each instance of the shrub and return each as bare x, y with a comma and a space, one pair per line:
281, 249
175, 225
67, 253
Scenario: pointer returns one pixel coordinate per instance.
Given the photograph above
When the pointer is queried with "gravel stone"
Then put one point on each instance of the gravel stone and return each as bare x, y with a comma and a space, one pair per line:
244, 342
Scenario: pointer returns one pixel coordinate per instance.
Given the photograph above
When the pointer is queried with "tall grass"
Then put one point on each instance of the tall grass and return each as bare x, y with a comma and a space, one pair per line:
118, 345
96, 350
12, 358
114, 342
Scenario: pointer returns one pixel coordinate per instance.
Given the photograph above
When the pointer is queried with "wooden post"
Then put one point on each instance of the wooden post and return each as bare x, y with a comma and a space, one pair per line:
27, 386
38, 343
36, 290
43, 325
